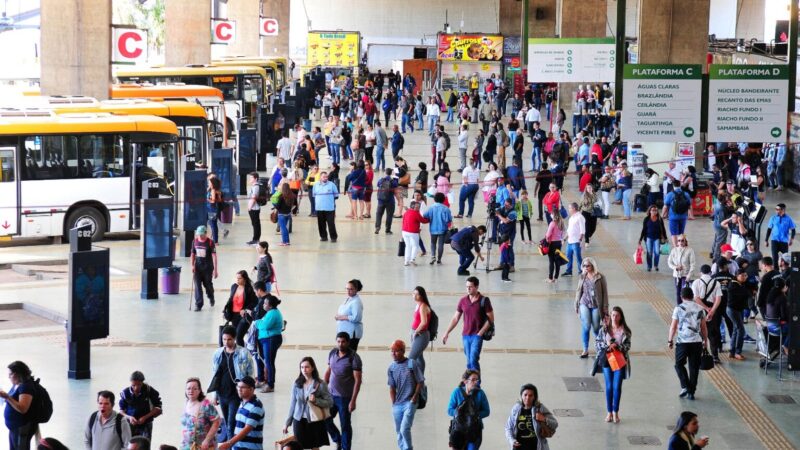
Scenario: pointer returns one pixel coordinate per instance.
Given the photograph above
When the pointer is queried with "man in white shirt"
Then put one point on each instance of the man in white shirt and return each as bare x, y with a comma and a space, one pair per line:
533, 115
576, 229
670, 175
284, 147
469, 187
432, 111
689, 331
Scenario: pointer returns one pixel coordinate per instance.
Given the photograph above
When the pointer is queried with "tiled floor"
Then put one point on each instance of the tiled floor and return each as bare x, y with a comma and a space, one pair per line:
538, 337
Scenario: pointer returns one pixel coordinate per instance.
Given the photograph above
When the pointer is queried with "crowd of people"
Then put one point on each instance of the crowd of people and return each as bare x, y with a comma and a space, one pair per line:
714, 301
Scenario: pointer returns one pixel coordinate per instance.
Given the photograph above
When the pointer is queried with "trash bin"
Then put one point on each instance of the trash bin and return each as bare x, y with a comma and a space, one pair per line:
226, 216
307, 124
171, 280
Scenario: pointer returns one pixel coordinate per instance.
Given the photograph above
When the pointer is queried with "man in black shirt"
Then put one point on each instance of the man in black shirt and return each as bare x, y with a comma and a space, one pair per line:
140, 403
724, 278
766, 284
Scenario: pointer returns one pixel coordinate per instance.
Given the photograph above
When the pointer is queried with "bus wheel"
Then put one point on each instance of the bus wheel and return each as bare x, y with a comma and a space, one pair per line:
87, 215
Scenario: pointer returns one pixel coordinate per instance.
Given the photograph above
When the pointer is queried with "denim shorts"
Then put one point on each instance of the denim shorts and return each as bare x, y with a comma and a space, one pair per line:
677, 226
357, 193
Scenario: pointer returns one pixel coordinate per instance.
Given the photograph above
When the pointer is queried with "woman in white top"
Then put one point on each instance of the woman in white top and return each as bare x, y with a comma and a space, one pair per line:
652, 183
490, 182
682, 261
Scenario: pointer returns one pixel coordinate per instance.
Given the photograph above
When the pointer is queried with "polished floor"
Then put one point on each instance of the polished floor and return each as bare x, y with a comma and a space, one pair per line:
538, 337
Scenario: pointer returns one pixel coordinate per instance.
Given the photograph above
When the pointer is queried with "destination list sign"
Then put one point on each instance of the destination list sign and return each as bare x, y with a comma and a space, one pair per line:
747, 103
661, 103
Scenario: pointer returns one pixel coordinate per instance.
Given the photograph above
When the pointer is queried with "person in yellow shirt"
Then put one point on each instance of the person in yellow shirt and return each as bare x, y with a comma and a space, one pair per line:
311, 180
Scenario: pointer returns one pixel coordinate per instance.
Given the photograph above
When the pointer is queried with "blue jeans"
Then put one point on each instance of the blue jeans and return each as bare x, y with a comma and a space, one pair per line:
406, 121
345, 437
536, 158
626, 202
613, 388
403, 419
653, 249
776, 329
590, 319
269, 351
512, 136
465, 258
333, 149
467, 195
450, 114
420, 122
617, 195
229, 407
213, 222
380, 162
573, 249
737, 336
283, 223
432, 120
472, 350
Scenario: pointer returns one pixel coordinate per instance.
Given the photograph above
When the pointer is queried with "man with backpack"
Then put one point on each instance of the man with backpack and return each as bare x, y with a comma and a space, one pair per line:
257, 197
478, 322
676, 207
468, 406
140, 403
405, 389
386, 187
688, 333
344, 381
106, 429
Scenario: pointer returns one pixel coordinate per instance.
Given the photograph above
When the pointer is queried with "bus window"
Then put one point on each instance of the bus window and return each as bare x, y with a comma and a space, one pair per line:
196, 146
252, 93
7, 164
85, 156
157, 161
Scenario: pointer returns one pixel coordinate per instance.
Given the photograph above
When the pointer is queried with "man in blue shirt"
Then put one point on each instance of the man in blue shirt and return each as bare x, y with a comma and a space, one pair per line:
405, 384
507, 216
781, 229
440, 219
516, 176
676, 208
248, 434
582, 157
325, 195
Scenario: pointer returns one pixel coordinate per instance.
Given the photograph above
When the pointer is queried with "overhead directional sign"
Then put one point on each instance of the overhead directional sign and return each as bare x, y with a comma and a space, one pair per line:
747, 103
571, 60
223, 31
128, 45
661, 103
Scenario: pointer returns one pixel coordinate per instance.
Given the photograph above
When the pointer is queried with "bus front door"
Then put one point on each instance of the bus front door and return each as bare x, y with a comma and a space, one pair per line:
9, 192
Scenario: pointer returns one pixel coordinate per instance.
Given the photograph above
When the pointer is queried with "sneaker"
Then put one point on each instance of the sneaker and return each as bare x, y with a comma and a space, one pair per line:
323, 239
684, 393
389, 232
690, 396
506, 280
749, 339
439, 261
377, 231
406, 264
432, 261
225, 233
716, 360
566, 274
251, 243
198, 308
211, 301
464, 272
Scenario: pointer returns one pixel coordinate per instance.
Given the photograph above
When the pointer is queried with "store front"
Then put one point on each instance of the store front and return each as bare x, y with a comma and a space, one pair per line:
468, 59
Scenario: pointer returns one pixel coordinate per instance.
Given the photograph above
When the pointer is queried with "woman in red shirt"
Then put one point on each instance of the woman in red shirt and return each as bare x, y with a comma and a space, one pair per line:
586, 177
420, 336
552, 203
412, 221
240, 305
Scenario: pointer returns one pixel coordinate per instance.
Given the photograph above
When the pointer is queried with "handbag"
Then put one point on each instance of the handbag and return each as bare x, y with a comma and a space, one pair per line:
317, 414
401, 249
545, 431
665, 248
597, 211
637, 255
563, 212
273, 216
706, 360
616, 360
544, 247
404, 180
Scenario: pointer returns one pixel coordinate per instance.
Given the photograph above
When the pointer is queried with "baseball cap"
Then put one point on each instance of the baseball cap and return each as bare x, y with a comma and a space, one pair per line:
787, 258
201, 230
248, 380
727, 248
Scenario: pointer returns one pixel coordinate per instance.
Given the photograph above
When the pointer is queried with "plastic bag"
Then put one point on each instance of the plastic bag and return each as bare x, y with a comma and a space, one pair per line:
637, 255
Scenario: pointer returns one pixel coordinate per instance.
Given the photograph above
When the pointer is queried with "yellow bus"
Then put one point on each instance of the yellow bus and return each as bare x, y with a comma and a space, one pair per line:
274, 75
59, 171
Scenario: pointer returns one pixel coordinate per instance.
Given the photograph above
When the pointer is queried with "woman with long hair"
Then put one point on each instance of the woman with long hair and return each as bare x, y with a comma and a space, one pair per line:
18, 403
654, 233
350, 314
683, 436
308, 390
270, 337
591, 301
614, 336
420, 336
286, 202
214, 205
370, 176
555, 234
587, 205
528, 416
683, 262
200, 420
240, 305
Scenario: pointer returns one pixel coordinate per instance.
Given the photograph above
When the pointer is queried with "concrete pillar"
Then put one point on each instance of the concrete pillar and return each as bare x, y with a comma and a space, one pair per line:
673, 31
76, 47
188, 32
277, 45
583, 18
542, 18
510, 14
246, 15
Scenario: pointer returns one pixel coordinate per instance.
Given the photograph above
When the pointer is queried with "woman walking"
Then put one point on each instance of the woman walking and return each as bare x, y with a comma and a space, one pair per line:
554, 236
469, 390
350, 314
613, 339
625, 186
270, 337
587, 205
309, 392
285, 203
241, 304
591, 301
263, 267
653, 234
528, 417
214, 206
420, 336
200, 420
682, 261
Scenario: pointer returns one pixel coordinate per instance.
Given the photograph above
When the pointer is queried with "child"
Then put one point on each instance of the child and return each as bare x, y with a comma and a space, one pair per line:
524, 209
505, 256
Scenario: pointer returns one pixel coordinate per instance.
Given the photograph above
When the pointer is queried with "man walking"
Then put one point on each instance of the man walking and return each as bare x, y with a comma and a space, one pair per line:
676, 207
405, 384
781, 229
204, 267
386, 187
140, 403
576, 230
688, 333
343, 377
463, 242
229, 363
478, 316
248, 433
106, 429
397, 142
470, 177
253, 208
538, 137
326, 194
381, 142
440, 219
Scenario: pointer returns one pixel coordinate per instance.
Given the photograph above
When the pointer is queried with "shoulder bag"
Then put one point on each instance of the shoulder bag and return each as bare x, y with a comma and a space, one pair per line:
317, 414
544, 430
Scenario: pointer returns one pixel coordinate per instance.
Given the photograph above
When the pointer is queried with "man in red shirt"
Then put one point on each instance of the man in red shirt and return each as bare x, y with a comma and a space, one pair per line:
478, 318
586, 177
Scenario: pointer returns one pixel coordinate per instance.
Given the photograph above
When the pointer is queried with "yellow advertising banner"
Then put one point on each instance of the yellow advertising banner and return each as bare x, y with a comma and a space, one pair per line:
470, 47
333, 49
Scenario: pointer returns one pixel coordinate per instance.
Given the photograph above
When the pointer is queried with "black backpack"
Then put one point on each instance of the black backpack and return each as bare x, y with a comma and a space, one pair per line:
117, 427
467, 420
385, 191
42, 406
680, 204
263, 192
446, 141
490, 332
433, 326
